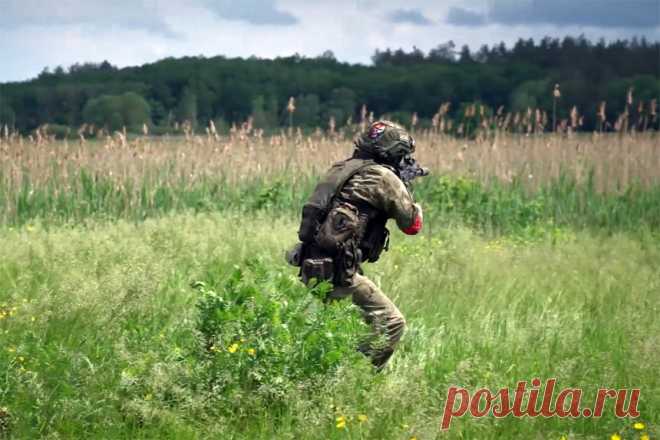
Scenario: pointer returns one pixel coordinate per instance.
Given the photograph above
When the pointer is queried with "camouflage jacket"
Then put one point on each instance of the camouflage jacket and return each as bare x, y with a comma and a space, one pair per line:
378, 186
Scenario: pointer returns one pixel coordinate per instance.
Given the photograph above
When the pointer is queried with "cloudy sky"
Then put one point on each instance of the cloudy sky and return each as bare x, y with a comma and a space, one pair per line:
39, 33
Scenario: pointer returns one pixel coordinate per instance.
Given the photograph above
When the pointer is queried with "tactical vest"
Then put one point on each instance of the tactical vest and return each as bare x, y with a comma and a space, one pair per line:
325, 200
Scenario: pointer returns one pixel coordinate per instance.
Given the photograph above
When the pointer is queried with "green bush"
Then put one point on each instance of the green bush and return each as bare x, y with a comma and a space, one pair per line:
264, 335
129, 110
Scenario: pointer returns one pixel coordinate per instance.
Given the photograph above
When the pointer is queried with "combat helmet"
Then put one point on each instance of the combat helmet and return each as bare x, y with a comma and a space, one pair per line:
385, 141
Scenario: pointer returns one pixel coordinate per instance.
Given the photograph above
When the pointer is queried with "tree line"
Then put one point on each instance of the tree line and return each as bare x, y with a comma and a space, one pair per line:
398, 84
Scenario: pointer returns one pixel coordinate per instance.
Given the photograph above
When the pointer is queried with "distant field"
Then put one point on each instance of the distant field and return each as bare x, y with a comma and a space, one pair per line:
616, 160
539, 258
606, 179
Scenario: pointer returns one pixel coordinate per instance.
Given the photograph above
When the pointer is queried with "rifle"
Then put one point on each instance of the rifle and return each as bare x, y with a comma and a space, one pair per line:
410, 169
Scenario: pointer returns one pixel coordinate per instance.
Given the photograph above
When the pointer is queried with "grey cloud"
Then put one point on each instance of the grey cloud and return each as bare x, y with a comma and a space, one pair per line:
596, 13
465, 17
127, 14
259, 12
409, 16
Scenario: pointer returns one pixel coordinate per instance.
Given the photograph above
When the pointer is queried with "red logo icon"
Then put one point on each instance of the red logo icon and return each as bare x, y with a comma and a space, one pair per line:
376, 130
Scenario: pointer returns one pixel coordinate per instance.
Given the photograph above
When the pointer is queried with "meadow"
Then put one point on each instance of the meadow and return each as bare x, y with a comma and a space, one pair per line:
143, 291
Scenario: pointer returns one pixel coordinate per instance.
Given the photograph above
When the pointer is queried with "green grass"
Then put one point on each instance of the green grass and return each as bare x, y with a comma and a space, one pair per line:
104, 336
494, 208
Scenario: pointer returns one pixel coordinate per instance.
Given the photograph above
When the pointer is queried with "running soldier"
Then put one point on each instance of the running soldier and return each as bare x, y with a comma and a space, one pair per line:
344, 224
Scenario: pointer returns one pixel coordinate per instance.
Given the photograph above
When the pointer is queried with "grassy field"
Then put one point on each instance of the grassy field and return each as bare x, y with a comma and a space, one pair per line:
104, 336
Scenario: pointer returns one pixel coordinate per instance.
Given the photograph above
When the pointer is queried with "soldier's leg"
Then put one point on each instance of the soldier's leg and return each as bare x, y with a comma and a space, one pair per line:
379, 312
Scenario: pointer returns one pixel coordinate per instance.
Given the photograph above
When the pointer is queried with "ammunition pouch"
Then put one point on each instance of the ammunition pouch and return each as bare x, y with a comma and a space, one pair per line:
341, 225
338, 269
374, 242
320, 269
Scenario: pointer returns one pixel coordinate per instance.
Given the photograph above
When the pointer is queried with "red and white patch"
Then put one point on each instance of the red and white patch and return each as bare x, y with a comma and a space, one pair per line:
377, 130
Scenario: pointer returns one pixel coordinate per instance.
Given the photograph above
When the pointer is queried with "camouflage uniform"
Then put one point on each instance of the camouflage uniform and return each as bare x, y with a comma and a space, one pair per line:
382, 189
352, 204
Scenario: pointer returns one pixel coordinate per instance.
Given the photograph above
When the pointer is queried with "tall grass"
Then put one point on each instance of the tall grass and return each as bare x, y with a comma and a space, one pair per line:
614, 161
496, 207
498, 184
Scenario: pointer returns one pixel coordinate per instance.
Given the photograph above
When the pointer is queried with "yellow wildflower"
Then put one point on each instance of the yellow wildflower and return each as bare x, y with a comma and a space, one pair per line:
33, 319
341, 424
233, 348
563, 437
639, 426
644, 437
2, 315
251, 351
21, 359
11, 349
615, 437
362, 418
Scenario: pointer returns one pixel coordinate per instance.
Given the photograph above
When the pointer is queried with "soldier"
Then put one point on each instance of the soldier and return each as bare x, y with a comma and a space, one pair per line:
343, 225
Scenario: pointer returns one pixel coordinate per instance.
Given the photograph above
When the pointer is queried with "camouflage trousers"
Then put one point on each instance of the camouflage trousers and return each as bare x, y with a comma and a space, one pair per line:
379, 312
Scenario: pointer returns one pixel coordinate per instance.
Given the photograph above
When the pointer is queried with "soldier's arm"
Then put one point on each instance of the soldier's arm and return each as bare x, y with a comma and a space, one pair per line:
399, 204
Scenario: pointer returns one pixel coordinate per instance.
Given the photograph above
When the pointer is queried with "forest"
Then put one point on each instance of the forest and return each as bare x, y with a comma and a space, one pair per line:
398, 84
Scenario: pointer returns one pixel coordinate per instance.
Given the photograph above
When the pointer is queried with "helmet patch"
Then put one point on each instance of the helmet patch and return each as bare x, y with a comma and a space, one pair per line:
377, 130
